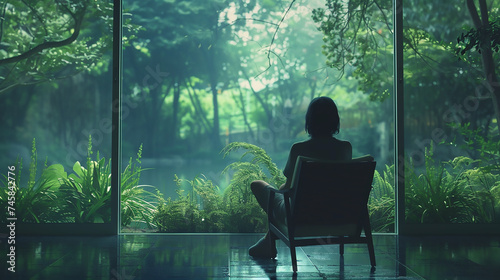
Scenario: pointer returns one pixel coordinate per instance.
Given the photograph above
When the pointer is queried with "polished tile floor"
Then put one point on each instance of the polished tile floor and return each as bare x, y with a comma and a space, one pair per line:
191, 256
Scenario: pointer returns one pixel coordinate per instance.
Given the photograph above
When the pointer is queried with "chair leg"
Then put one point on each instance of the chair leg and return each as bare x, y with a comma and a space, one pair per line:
369, 237
371, 251
294, 258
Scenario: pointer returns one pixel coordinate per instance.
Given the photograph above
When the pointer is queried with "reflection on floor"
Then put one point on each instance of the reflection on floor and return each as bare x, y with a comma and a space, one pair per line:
134, 257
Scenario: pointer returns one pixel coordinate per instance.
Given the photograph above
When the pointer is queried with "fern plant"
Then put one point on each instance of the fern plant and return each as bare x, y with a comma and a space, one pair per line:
381, 204
437, 195
179, 215
483, 186
205, 209
259, 167
242, 205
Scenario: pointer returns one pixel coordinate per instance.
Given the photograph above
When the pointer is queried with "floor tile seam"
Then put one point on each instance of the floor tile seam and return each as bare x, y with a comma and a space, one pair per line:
311, 262
407, 268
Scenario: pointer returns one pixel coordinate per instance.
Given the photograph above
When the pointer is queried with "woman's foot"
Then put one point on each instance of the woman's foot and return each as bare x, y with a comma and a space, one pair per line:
263, 249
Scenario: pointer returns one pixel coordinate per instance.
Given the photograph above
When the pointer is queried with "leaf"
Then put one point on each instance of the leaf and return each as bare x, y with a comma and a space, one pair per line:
79, 169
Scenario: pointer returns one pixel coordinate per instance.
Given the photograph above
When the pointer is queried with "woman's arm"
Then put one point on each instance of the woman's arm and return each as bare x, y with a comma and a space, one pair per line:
364, 158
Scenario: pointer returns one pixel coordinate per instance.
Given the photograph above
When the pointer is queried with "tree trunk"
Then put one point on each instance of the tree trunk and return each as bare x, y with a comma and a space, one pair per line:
487, 54
175, 118
216, 127
212, 76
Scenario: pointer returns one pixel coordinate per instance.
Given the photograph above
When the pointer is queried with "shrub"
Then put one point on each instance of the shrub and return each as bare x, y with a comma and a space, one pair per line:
449, 192
84, 196
381, 204
205, 209
38, 200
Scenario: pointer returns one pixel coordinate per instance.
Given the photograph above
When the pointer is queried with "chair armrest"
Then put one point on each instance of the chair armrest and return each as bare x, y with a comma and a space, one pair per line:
270, 210
280, 191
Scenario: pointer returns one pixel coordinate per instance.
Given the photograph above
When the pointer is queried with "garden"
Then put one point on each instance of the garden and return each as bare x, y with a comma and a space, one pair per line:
213, 95
462, 190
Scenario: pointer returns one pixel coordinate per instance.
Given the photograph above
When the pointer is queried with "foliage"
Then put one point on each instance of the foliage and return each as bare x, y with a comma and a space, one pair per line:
206, 209
356, 34
47, 40
345, 41
36, 202
455, 191
255, 169
83, 196
87, 191
137, 204
381, 204
459, 194
475, 39
186, 214
483, 144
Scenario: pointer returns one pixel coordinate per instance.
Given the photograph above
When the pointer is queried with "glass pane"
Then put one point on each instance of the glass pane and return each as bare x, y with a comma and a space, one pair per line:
55, 97
207, 81
451, 128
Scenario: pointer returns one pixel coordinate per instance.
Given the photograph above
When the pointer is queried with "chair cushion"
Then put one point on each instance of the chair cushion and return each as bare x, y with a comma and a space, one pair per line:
319, 230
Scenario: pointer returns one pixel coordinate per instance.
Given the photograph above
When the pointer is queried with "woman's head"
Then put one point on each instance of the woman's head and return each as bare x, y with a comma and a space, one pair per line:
322, 117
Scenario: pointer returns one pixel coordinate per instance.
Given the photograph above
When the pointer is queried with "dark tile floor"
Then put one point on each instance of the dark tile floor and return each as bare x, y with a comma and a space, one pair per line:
191, 256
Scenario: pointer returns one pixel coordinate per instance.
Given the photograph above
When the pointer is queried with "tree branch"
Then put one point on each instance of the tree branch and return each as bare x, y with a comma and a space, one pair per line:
275, 33
4, 8
50, 44
473, 13
35, 13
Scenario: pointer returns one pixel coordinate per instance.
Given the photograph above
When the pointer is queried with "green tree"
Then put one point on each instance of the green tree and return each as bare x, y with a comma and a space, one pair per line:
355, 35
49, 40
485, 38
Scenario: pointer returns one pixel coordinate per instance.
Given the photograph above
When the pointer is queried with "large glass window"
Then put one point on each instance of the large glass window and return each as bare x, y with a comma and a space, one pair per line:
214, 95
207, 81
451, 125
55, 107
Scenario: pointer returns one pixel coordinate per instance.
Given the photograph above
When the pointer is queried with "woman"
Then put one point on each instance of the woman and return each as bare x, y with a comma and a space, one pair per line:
322, 122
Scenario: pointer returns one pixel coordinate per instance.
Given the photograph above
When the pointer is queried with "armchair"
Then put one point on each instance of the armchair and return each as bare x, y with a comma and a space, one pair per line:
326, 204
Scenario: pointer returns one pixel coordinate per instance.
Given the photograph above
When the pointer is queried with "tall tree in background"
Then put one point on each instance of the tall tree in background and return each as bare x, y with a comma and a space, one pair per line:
485, 38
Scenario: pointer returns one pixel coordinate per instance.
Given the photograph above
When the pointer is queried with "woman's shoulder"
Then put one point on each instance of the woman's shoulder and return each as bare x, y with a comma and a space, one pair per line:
321, 141
343, 142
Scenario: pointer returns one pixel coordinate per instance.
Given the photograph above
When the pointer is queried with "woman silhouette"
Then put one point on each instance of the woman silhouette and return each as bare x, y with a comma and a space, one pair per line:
322, 122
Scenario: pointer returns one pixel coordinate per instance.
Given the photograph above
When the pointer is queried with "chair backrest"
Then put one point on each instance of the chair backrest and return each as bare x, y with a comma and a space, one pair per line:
331, 193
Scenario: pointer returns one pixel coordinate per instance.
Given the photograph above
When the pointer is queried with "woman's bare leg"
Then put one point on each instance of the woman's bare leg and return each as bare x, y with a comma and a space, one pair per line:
261, 193
265, 247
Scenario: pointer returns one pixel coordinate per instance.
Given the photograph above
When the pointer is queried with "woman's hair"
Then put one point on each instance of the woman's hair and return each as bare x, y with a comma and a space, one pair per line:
322, 117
